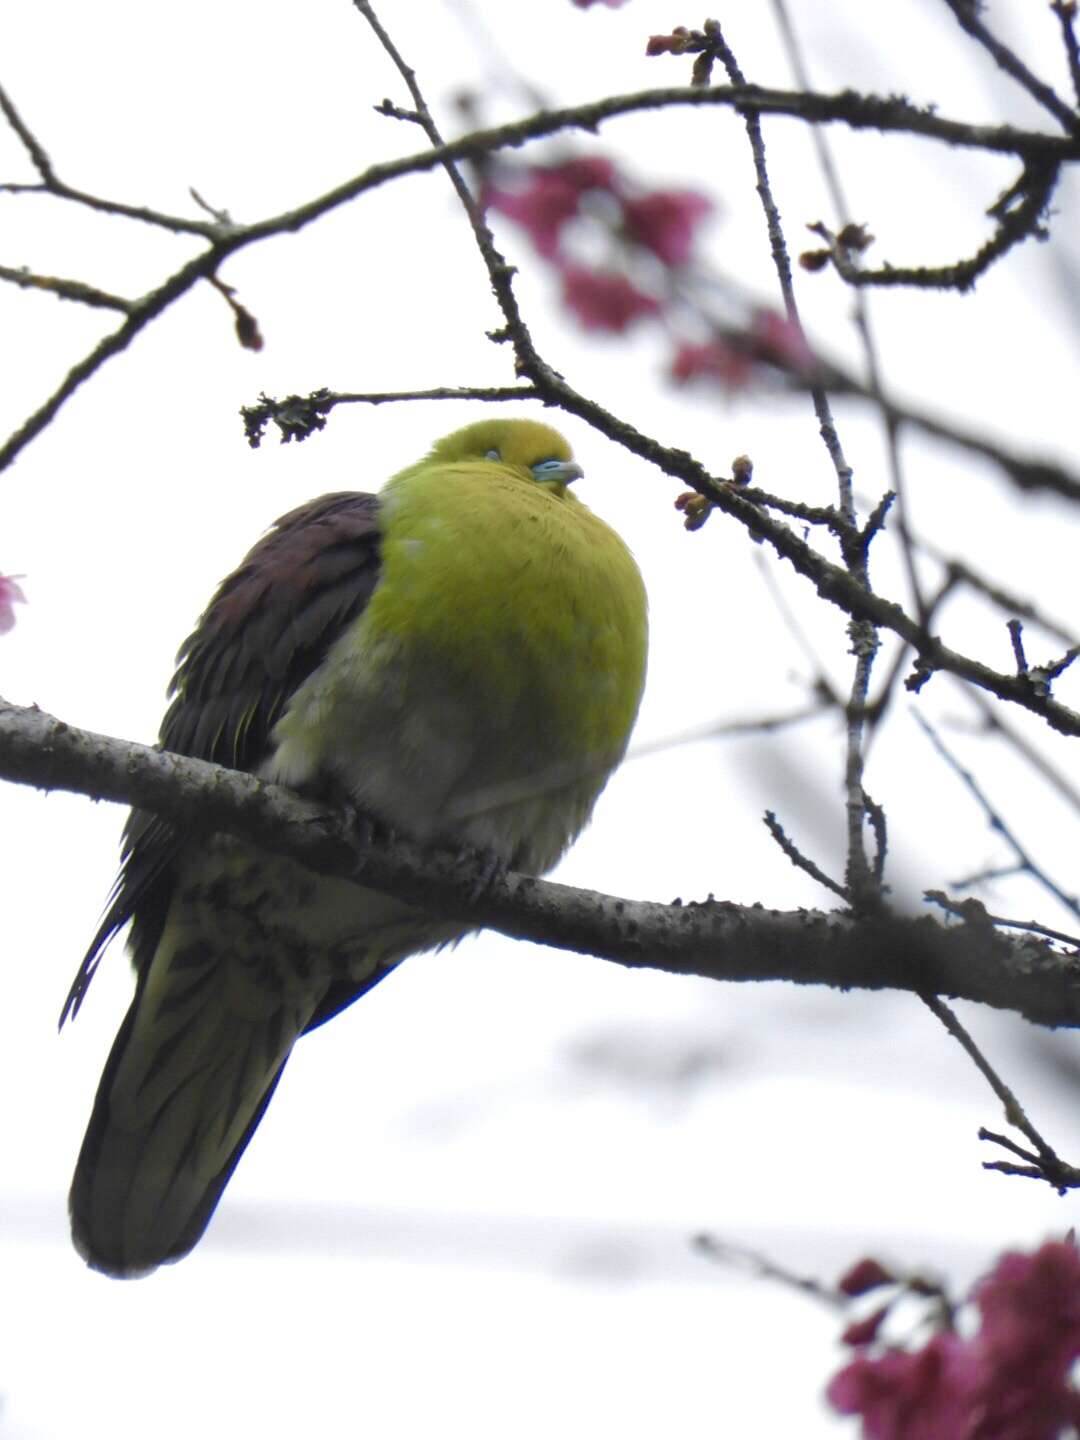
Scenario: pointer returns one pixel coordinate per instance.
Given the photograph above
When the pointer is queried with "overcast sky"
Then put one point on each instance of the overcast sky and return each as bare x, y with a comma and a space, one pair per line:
469, 1206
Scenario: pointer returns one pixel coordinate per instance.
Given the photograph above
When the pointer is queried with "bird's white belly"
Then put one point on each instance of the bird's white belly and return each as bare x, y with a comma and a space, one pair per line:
430, 758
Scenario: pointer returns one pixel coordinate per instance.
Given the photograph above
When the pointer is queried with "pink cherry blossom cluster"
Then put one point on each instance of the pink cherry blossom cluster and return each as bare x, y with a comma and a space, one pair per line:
10, 595
734, 358
996, 1370
648, 276
545, 199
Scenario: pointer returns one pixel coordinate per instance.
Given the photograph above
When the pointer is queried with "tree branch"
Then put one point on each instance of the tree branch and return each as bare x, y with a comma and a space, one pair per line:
848, 107
711, 938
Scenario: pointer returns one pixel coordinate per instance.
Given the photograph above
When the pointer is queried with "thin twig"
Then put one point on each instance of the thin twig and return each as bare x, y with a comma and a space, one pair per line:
1015, 224
822, 683
967, 16
878, 708
75, 290
859, 883
1013, 604
34, 148
1061, 783
1065, 10
962, 909
500, 273
782, 265
758, 1264
1050, 1167
995, 819
876, 817
798, 859
826, 515
1024, 472
987, 876
298, 416
51, 184
863, 324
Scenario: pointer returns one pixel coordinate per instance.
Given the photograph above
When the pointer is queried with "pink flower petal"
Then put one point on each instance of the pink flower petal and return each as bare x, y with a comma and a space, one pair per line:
664, 222
604, 299
10, 595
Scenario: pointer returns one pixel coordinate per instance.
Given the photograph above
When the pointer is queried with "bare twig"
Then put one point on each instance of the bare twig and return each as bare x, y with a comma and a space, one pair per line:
996, 821
1015, 224
826, 515
992, 721
66, 289
51, 184
1065, 10
859, 887
878, 708
758, 1264
862, 315
1049, 1166
967, 17
1024, 472
1016, 636
963, 909
34, 148
962, 573
822, 683
782, 265
798, 859
298, 416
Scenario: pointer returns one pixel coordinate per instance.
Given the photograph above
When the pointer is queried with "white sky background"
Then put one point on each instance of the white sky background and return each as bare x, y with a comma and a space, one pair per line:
468, 1207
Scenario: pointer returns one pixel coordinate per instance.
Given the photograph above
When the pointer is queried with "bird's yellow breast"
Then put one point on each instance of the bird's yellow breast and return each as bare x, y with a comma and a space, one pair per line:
519, 594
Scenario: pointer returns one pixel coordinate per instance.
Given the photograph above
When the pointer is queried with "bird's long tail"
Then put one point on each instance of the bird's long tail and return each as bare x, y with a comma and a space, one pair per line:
188, 1078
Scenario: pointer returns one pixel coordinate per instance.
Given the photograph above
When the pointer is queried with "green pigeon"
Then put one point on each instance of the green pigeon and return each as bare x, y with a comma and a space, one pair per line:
461, 658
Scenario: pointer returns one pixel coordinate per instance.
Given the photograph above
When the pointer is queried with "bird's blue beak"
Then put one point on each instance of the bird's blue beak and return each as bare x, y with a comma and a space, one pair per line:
557, 474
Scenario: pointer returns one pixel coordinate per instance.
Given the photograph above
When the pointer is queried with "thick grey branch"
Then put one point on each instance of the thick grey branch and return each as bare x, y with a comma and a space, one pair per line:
711, 938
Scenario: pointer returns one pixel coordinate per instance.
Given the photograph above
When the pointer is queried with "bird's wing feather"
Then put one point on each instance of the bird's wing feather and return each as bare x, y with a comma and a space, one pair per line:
267, 628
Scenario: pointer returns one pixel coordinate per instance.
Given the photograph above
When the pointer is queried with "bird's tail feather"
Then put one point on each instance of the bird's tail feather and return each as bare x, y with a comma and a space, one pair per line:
186, 1083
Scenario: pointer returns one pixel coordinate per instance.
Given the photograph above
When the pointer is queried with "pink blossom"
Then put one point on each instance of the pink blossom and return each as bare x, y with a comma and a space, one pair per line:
731, 361
673, 44
712, 360
1028, 1340
664, 222
928, 1394
781, 341
551, 197
1010, 1381
587, 172
604, 299
542, 209
864, 1275
1030, 1307
865, 1331
10, 595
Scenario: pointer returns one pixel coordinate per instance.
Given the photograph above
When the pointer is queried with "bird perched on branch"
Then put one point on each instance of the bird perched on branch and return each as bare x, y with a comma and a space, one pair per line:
460, 657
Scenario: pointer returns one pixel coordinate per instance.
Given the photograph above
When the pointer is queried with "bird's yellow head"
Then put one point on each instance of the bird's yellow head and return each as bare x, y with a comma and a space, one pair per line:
534, 451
